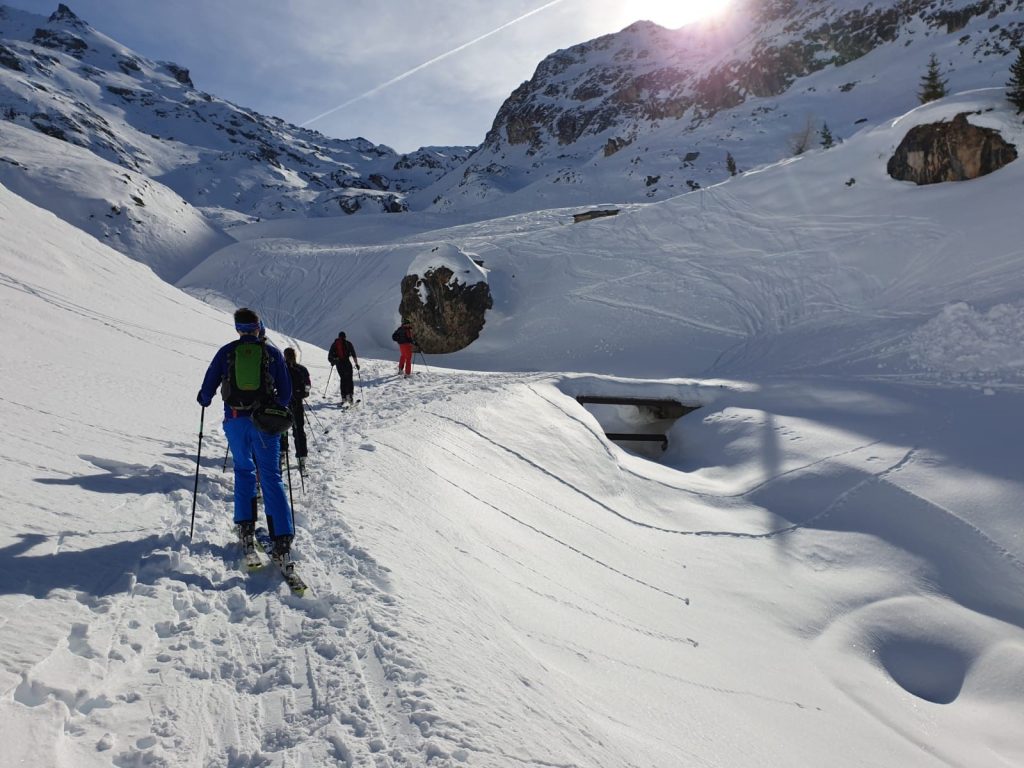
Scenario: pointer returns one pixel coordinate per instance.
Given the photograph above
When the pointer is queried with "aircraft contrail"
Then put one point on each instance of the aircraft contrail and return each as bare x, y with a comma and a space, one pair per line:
434, 60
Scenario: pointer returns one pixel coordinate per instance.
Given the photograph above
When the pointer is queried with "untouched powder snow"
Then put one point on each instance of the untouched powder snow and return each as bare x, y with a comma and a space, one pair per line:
825, 567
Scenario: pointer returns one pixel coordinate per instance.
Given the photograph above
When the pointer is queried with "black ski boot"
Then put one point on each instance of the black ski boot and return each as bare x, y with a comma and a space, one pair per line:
246, 533
282, 554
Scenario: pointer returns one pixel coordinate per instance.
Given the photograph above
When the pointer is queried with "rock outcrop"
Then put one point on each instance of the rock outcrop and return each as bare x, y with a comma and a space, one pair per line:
953, 151
446, 313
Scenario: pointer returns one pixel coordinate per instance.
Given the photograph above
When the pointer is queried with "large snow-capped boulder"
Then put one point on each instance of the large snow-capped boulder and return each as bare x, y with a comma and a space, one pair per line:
445, 297
949, 151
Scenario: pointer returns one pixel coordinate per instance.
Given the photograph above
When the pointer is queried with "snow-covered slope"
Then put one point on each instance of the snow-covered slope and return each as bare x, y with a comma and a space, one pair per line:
824, 567
61, 77
649, 113
125, 209
818, 263
818, 571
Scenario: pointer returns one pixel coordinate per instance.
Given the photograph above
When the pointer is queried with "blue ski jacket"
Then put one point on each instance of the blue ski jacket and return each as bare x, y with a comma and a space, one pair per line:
219, 368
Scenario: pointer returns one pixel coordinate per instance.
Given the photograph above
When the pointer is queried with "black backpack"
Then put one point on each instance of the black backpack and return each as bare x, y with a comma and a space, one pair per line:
247, 382
400, 336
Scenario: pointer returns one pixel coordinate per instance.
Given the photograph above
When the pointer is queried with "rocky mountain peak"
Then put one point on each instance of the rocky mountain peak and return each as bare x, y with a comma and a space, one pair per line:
65, 15
659, 109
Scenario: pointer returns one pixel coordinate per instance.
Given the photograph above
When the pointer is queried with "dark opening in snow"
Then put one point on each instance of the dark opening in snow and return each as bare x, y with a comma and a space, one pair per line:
640, 423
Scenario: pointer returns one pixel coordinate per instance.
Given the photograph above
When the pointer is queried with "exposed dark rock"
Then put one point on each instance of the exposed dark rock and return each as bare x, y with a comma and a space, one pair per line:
384, 203
60, 41
9, 59
44, 124
128, 94
613, 145
956, 19
453, 315
596, 214
179, 73
953, 151
129, 65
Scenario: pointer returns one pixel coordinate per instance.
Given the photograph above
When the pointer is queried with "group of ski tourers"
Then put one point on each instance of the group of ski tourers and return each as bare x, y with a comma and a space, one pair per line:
263, 391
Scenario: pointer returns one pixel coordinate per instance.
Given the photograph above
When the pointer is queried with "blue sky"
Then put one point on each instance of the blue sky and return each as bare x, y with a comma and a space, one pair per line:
298, 59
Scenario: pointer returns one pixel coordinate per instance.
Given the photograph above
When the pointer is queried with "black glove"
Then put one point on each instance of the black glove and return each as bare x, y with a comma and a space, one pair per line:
199, 399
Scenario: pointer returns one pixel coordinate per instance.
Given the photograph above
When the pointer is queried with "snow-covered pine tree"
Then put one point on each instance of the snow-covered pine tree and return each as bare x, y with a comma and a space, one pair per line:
730, 164
933, 84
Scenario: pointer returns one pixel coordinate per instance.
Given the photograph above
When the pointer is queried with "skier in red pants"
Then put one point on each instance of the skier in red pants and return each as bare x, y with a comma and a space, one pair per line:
405, 338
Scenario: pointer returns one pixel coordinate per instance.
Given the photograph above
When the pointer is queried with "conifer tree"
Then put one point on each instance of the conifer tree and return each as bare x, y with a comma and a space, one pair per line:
1015, 85
730, 164
933, 84
827, 141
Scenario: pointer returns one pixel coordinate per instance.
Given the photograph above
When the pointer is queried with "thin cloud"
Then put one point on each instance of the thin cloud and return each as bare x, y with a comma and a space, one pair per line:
432, 61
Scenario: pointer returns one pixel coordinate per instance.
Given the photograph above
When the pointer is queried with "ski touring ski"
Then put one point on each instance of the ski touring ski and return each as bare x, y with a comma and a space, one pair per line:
287, 568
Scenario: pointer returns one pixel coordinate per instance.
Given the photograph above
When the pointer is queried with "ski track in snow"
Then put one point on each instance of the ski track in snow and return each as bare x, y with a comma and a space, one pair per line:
315, 676
242, 674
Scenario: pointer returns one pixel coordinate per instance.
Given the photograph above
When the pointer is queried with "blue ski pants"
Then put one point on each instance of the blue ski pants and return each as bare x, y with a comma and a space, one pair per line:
252, 450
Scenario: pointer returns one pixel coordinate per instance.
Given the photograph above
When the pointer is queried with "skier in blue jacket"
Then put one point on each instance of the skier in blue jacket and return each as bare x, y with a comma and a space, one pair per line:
252, 449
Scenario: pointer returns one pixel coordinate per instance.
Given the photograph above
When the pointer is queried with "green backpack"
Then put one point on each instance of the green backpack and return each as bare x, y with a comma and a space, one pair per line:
247, 383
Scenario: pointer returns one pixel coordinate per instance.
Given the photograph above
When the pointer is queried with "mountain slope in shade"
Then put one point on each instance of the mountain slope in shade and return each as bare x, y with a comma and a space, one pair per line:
649, 113
61, 77
125, 209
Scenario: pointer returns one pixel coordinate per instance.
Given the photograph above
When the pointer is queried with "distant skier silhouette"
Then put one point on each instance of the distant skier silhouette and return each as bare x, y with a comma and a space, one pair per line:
338, 356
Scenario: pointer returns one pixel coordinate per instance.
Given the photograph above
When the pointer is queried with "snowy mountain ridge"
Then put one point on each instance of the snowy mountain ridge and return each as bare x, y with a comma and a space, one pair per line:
640, 115
61, 77
649, 113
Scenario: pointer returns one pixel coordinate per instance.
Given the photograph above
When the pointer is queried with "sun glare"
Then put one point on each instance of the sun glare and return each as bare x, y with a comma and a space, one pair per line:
673, 13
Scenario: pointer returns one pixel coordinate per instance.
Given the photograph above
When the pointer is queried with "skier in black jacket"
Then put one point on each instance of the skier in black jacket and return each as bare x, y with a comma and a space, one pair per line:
300, 390
338, 356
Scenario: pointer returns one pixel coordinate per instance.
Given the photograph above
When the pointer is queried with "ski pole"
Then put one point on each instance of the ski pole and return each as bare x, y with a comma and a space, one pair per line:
195, 488
225, 467
328, 381
362, 391
319, 424
424, 359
